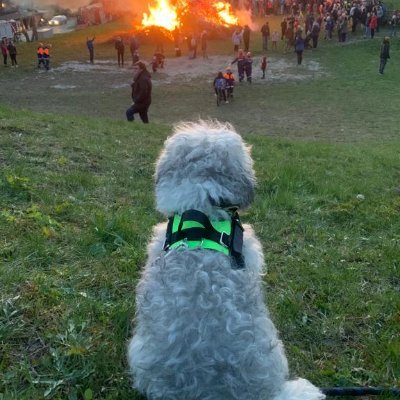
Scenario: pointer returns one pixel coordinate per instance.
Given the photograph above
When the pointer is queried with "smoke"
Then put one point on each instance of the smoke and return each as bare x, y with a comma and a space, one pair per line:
245, 19
70, 4
116, 5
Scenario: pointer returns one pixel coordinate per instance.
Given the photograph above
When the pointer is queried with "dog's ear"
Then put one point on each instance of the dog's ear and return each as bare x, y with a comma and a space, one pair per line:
203, 165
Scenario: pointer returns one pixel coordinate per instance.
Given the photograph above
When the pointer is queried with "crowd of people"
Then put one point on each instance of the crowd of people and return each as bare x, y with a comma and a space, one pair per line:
300, 28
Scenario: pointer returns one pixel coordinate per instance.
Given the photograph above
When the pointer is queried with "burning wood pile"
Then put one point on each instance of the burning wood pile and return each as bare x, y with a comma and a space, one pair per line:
188, 16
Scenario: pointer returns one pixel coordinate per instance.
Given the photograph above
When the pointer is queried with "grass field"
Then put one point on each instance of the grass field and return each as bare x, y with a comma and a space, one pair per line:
76, 209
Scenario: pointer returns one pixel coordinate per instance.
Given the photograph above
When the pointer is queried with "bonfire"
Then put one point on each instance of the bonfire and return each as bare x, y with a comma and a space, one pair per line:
186, 16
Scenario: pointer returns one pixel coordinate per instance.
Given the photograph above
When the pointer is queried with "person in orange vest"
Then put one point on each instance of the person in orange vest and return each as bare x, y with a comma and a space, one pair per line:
46, 56
39, 53
230, 81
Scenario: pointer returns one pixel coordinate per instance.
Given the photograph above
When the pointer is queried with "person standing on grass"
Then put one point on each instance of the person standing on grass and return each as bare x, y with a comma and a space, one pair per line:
120, 47
342, 27
367, 30
394, 21
274, 40
283, 28
248, 67
39, 53
246, 38
385, 47
265, 33
4, 51
329, 25
241, 61
237, 40
90, 46
299, 47
46, 56
141, 93
373, 24
315, 34
12, 51
264, 64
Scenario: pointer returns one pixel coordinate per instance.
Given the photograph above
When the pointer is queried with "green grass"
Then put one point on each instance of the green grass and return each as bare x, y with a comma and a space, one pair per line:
346, 100
77, 207
76, 211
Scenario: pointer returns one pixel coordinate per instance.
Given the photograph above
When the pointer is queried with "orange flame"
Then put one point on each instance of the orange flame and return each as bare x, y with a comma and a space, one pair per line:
225, 14
166, 15
163, 14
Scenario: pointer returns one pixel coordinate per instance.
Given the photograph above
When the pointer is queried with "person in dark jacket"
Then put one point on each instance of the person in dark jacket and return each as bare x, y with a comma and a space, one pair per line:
315, 34
265, 33
246, 38
120, 47
141, 93
90, 47
299, 48
248, 67
384, 54
4, 51
12, 51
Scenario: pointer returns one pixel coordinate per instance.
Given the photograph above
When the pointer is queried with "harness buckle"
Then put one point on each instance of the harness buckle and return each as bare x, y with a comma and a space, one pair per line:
183, 244
221, 239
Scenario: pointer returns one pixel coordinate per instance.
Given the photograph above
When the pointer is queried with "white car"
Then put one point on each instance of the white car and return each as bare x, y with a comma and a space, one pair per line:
58, 20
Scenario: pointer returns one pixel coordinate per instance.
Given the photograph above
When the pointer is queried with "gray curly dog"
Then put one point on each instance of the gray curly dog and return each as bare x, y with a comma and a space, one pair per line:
202, 329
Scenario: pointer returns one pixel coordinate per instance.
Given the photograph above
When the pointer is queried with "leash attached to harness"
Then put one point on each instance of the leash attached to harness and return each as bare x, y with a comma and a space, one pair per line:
193, 229
360, 391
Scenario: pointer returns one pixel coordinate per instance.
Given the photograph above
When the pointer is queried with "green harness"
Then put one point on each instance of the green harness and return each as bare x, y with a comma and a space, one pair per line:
194, 230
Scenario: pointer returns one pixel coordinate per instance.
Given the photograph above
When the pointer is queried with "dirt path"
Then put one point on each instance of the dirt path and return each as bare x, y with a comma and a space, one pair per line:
182, 90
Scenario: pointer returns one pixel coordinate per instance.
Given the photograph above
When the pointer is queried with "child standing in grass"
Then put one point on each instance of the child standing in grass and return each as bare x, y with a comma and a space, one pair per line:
263, 66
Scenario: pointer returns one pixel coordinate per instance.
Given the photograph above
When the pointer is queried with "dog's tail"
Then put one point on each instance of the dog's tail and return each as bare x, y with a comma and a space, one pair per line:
299, 389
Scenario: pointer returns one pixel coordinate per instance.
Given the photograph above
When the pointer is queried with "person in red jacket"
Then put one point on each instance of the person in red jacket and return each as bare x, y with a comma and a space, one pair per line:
373, 24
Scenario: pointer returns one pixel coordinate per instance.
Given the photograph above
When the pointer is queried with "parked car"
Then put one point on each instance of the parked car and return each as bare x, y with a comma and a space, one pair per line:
58, 20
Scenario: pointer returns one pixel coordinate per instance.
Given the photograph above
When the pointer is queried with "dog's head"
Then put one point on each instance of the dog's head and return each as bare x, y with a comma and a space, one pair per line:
204, 165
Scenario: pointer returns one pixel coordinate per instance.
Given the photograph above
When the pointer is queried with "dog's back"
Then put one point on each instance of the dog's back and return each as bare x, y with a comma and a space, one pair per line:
202, 330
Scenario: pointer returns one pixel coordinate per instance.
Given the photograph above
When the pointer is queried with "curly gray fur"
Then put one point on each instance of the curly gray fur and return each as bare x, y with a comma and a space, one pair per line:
202, 328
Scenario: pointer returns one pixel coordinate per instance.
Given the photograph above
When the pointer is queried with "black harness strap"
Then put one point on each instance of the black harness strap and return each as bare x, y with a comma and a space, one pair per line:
234, 241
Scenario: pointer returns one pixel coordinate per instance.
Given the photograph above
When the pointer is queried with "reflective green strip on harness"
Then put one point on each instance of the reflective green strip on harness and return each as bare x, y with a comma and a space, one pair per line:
193, 230
220, 226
